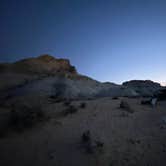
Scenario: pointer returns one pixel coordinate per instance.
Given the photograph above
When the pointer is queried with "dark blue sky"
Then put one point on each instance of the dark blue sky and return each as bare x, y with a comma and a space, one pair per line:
109, 40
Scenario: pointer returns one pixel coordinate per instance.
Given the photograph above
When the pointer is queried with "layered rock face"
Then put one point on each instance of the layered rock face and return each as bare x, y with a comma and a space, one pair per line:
24, 71
44, 64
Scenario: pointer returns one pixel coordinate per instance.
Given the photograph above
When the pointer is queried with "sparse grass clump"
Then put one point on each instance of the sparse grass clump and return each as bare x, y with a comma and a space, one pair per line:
67, 103
19, 118
25, 117
4, 122
70, 110
55, 99
52, 97
115, 98
82, 105
89, 144
146, 102
125, 106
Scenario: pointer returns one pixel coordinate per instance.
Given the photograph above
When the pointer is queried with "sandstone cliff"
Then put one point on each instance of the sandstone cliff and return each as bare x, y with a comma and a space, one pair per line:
44, 64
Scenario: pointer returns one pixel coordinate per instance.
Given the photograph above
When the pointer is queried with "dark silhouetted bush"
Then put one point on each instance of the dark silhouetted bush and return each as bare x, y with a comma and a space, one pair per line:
25, 117
161, 94
90, 145
52, 97
146, 102
19, 118
55, 99
86, 136
70, 110
125, 106
115, 98
87, 142
67, 103
4, 122
99, 144
82, 105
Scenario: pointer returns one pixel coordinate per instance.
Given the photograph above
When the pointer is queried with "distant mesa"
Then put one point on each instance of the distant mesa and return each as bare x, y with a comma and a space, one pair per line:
143, 87
141, 83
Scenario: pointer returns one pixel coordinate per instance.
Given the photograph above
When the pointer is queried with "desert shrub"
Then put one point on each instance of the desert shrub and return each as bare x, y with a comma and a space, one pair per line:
55, 99
52, 97
115, 98
134, 141
161, 94
67, 103
89, 144
25, 117
124, 114
146, 102
99, 144
86, 136
86, 140
4, 122
82, 105
19, 118
70, 110
125, 106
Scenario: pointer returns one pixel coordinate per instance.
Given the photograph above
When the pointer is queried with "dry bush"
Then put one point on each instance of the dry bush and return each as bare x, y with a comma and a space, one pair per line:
19, 118
82, 105
70, 110
4, 121
67, 103
21, 113
115, 98
146, 102
89, 144
25, 117
55, 99
125, 106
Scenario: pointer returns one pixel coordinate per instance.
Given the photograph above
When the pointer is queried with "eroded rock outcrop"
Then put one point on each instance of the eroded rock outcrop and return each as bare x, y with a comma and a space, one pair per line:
49, 76
24, 71
143, 87
44, 64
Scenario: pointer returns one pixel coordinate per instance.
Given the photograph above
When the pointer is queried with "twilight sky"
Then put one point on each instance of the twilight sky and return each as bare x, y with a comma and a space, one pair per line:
109, 40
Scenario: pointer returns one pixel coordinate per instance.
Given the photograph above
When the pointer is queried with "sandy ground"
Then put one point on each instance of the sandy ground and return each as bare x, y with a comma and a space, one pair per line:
130, 139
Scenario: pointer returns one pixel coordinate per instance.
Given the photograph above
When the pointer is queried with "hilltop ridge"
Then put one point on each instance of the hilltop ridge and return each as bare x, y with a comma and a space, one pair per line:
44, 64
47, 75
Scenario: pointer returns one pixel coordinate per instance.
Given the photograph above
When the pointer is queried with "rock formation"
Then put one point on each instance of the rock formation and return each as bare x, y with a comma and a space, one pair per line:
44, 64
143, 87
46, 75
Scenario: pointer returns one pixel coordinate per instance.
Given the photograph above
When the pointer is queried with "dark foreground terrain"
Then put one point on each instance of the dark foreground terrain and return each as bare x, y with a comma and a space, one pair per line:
134, 137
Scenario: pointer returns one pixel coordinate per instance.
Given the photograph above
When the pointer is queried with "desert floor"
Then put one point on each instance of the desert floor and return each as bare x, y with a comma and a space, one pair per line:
130, 139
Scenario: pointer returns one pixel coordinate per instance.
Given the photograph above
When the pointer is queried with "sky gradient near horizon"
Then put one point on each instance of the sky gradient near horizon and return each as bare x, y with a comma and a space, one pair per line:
108, 40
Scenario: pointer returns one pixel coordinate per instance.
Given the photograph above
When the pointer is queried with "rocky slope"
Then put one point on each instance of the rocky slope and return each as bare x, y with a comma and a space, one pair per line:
44, 64
24, 71
143, 87
49, 76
